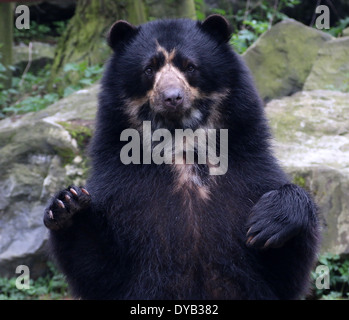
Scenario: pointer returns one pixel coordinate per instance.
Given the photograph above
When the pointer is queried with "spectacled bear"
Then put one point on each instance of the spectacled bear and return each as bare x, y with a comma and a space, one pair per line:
174, 230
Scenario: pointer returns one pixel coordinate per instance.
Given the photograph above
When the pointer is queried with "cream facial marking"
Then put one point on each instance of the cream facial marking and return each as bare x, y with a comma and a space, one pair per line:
168, 55
132, 110
170, 77
187, 114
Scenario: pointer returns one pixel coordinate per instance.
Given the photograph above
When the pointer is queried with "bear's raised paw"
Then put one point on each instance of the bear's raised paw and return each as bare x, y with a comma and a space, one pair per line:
64, 205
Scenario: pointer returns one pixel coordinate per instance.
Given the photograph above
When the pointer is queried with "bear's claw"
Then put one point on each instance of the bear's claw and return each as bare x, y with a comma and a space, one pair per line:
73, 192
64, 206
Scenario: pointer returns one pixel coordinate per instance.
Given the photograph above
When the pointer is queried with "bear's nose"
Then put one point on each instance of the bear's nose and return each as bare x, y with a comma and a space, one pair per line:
173, 97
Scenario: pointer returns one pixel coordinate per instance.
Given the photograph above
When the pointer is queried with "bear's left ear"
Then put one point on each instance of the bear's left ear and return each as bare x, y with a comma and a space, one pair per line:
218, 27
120, 33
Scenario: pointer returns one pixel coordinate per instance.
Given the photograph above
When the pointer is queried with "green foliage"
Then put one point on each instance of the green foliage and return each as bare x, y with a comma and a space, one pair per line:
31, 104
2, 75
300, 181
36, 31
28, 95
82, 134
40, 32
32, 94
245, 37
253, 21
60, 27
77, 76
219, 11
199, 9
340, 26
339, 277
51, 287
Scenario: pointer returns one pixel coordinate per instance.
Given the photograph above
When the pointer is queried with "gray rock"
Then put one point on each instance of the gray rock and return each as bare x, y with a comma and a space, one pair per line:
345, 32
281, 59
331, 67
41, 153
312, 142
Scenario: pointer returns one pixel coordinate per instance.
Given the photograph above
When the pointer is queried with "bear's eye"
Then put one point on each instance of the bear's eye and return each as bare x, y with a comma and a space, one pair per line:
149, 71
190, 68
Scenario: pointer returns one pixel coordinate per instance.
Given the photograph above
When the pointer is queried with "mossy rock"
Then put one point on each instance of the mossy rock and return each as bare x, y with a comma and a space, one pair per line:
80, 131
311, 141
345, 32
41, 153
281, 59
331, 67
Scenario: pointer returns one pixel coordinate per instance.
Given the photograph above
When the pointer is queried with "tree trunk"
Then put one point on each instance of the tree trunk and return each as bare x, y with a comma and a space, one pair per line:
6, 40
136, 12
160, 9
186, 9
84, 38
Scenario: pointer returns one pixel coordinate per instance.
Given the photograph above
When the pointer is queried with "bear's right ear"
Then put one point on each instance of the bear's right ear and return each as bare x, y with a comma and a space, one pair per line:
218, 27
120, 33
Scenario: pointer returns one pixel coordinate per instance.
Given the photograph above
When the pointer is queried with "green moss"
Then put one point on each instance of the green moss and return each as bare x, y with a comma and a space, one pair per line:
300, 181
283, 125
66, 154
82, 134
78, 173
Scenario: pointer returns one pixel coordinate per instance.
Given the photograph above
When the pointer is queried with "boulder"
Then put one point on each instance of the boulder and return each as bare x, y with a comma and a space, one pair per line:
331, 67
41, 153
311, 130
281, 59
345, 32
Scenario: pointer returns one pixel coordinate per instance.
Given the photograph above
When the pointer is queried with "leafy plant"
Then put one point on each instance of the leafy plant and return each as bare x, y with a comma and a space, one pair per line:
28, 95
40, 32
31, 104
32, 94
338, 275
340, 26
36, 31
60, 27
255, 19
52, 286
77, 76
245, 37
199, 9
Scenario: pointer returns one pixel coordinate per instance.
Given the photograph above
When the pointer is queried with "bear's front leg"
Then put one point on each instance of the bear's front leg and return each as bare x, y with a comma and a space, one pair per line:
64, 206
82, 245
283, 226
279, 216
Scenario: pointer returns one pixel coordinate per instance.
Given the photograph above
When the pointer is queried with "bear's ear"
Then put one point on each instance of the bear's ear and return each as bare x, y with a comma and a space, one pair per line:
218, 27
120, 33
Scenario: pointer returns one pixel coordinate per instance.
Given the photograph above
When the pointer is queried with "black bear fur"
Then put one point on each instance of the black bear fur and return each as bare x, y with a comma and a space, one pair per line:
128, 235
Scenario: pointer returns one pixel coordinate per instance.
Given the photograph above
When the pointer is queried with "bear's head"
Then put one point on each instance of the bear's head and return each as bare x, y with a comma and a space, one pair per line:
175, 73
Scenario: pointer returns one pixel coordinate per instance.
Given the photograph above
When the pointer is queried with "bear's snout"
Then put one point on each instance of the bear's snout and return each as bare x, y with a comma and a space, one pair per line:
173, 98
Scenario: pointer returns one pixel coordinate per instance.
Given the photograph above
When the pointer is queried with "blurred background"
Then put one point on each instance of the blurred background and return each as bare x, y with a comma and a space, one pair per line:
50, 66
